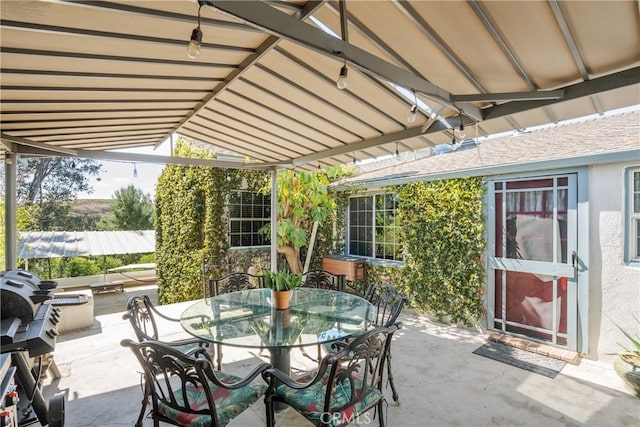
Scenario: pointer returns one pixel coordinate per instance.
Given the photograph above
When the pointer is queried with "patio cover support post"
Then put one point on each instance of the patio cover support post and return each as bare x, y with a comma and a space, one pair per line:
274, 220
10, 226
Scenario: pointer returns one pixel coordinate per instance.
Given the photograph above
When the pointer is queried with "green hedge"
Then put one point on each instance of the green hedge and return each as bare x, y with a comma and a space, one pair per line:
443, 238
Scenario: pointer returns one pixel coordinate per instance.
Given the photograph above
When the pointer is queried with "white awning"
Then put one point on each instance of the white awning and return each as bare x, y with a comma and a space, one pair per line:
55, 244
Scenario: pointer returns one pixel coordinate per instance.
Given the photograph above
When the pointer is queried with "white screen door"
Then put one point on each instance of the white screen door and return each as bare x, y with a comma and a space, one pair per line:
533, 246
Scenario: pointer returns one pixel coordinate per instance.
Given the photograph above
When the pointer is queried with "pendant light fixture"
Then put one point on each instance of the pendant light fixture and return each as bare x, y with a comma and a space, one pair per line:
341, 83
135, 171
459, 131
455, 143
413, 112
193, 48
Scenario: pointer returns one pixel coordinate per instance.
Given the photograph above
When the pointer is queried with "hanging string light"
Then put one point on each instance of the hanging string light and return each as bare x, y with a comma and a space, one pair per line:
459, 131
193, 48
135, 171
413, 112
341, 83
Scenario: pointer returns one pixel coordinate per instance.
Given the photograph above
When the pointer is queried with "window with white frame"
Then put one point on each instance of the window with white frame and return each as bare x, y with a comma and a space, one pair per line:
248, 213
633, 223
373, 227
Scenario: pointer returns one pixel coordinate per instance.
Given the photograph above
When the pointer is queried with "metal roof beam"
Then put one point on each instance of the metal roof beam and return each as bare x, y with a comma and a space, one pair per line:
578, 90
151, 158
509, 96
47, 147
591, 87
263, 16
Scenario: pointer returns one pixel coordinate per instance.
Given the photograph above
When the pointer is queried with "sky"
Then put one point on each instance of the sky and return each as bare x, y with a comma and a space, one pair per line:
118, 175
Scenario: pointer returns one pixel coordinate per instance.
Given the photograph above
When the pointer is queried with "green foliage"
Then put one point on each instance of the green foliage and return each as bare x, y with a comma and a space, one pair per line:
330, 238
45, 185
303, 198
78, 266
131, 209
192, 222
443, 238
282, 280
54, 178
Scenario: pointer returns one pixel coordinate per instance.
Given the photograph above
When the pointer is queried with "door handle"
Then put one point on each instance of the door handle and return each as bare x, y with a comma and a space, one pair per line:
574, 259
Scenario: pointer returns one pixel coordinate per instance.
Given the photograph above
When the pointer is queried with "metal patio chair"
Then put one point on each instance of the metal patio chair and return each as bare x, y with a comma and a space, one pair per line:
324, 280
232, 282
141, 313
347, 384
388, 303
321, 279
185, 391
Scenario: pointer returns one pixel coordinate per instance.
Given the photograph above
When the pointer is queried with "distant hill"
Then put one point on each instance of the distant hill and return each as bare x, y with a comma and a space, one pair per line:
93, 208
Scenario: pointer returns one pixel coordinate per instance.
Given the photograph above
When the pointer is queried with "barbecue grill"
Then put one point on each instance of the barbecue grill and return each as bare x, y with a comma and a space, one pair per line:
29, 330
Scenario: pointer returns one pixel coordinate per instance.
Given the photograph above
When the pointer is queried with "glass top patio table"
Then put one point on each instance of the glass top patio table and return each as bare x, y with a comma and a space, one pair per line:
248, 319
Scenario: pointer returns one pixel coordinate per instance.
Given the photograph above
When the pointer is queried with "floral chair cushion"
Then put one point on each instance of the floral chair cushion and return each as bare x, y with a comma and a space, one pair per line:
309, 401
228, 403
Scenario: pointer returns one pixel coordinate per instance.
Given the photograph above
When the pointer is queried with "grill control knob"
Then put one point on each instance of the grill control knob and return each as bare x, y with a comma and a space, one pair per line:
11, 398
5, 418
52, 333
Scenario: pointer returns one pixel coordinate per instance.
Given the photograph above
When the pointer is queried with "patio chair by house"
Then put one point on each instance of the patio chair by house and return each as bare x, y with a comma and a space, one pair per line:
388, 303
322, 279
347, 384
232, 282
185, 390
141, 313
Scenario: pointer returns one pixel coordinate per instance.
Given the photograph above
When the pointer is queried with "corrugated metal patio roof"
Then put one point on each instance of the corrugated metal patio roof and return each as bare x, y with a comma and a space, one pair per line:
609, 139
55, 244
80, 78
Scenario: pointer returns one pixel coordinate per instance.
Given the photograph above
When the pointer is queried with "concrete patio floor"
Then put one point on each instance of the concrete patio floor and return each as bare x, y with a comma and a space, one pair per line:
440, 381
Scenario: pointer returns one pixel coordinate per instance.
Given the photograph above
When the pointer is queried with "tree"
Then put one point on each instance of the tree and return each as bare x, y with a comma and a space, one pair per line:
303, 198
132, 209
54, 178
47, 183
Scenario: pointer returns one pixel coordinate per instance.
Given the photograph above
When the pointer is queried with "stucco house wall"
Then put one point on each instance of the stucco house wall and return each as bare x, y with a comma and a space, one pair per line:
614, 286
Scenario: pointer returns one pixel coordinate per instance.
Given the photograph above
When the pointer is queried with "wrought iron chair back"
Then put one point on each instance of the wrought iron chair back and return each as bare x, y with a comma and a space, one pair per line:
233, 282
185, 390
347, 384
140, 313
322, 279
388, 303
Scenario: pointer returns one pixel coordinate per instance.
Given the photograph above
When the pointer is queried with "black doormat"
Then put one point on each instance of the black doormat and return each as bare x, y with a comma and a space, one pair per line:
522, 359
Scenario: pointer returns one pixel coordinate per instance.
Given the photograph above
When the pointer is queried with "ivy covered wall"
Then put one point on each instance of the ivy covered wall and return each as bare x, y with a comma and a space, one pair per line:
443, 238
192, 223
